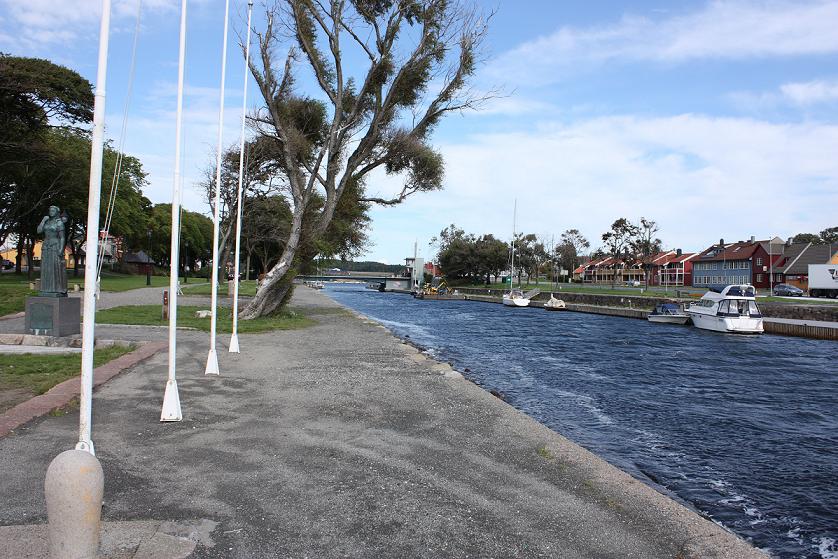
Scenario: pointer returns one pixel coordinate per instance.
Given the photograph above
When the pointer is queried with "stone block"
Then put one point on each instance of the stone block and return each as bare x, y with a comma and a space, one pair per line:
29, 339
53, 316
11, 339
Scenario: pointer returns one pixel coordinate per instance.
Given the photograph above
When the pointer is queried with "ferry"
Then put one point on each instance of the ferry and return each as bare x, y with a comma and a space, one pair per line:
734, 309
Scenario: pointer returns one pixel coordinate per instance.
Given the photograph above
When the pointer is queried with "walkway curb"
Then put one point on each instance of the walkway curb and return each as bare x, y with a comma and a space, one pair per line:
20, 314
62, 394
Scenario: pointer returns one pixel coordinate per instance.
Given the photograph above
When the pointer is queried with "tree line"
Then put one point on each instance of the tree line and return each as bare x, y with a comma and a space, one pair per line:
385, 74
479, 258
45, 142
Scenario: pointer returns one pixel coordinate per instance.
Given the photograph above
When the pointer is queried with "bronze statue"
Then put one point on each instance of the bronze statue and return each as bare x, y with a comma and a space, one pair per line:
53, 265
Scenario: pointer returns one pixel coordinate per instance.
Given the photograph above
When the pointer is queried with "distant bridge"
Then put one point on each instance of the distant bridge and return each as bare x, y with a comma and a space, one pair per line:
351, 276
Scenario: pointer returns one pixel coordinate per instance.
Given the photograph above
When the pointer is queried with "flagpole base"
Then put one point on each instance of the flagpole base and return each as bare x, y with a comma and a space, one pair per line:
234, 344
73, 488
212, 363
171, 403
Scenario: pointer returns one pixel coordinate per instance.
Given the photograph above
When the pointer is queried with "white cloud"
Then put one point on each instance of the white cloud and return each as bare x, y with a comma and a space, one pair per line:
809, 93
794, 94
33, 25
723, 29
700, 177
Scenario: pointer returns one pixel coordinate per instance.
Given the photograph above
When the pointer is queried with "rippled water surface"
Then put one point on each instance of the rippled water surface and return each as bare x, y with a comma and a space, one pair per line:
742, 428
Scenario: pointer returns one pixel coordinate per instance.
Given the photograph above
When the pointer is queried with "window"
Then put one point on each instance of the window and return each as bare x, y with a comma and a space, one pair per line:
759, 277
758, 262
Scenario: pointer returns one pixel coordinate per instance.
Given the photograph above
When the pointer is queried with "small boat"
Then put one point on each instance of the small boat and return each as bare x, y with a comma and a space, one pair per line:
669, 313
554, 304
734, 309
515, 298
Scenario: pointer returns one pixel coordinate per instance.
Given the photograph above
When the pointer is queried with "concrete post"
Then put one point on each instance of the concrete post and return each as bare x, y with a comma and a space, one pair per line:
74, 488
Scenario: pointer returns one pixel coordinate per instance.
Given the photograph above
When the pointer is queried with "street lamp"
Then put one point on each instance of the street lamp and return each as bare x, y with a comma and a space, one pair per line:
148, 264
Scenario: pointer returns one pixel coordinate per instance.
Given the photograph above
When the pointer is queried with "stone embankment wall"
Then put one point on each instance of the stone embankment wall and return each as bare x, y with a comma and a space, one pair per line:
793, 310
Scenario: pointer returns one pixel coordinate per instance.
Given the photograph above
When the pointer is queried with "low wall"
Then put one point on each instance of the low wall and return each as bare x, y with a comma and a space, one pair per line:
793, 310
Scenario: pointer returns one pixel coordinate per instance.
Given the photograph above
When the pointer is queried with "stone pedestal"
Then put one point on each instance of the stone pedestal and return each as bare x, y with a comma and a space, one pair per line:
53, 316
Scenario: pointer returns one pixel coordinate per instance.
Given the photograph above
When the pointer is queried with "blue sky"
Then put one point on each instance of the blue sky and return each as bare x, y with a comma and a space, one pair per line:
716, 119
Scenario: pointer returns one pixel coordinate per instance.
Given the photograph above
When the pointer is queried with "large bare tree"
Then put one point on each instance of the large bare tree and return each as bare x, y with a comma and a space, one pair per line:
418, 57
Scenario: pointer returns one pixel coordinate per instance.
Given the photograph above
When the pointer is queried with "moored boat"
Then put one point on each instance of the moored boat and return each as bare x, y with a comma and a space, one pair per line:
669, 313
554, 304
515, 298
734, 309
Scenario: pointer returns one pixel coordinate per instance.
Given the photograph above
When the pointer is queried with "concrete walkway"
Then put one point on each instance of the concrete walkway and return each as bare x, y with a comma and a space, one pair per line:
341, 441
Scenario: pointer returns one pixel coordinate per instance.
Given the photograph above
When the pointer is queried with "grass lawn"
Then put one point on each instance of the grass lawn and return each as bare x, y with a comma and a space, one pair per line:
13, 297
32, 374
149, 315
123, 282
247, 288
15, 288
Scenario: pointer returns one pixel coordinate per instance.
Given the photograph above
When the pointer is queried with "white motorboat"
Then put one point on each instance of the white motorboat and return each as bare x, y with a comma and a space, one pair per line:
515, 298
554, 304
669, 313
732, 310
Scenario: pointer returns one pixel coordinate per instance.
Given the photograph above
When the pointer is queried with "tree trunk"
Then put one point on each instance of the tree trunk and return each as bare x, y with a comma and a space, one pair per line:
247, 266
19, 256
276, 288
30, 258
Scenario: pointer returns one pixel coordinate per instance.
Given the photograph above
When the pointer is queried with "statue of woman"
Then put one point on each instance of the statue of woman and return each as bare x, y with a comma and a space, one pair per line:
53, 266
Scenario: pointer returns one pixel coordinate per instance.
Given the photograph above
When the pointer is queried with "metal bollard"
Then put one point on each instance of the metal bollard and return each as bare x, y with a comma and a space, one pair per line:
165, 304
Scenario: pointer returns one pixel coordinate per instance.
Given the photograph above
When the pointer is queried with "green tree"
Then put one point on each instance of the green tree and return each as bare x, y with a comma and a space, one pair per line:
493, 255
327, 142
807, 238
36, 97
570, 249
644, 246
830, 236
618, 242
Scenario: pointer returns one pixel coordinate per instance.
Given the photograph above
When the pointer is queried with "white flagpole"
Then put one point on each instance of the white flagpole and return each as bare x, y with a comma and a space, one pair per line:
212, 358
234, 339
90, 263
171, 399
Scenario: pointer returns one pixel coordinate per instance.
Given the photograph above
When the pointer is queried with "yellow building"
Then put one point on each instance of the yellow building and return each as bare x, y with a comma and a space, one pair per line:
10, 253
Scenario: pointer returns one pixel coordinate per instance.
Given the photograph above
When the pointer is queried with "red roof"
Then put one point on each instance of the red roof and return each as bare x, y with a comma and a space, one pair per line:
732, 251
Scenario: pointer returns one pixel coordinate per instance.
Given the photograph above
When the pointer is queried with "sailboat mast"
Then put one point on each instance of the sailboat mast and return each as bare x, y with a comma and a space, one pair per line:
514, 225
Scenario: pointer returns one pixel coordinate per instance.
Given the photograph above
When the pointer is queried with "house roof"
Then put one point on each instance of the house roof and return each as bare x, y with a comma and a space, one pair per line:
139, 257
732, 251
800, 255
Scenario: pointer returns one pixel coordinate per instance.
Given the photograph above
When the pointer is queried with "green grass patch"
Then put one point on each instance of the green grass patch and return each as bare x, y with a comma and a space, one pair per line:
246, 288
150, 315
124, 282
545, 453
13, 297
39, 373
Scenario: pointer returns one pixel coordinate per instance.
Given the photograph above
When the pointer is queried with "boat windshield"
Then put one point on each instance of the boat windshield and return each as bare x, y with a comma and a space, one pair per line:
515, 293
738, 307
668, 308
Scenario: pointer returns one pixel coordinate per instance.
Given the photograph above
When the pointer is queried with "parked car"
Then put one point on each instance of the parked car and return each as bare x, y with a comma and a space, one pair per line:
786, 290
8, 264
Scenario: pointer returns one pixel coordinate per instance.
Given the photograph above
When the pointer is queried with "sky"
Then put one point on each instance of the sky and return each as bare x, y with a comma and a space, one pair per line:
715, 119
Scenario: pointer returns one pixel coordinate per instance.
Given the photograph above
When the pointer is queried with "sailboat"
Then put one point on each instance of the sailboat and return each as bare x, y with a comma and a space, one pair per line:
515, 297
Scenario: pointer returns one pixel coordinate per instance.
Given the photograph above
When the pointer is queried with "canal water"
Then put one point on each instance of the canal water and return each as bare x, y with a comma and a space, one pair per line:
742, 429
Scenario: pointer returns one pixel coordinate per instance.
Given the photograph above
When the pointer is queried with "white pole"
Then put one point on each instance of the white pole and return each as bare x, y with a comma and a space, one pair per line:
90, 263
171, 399
212, 358
234, 339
